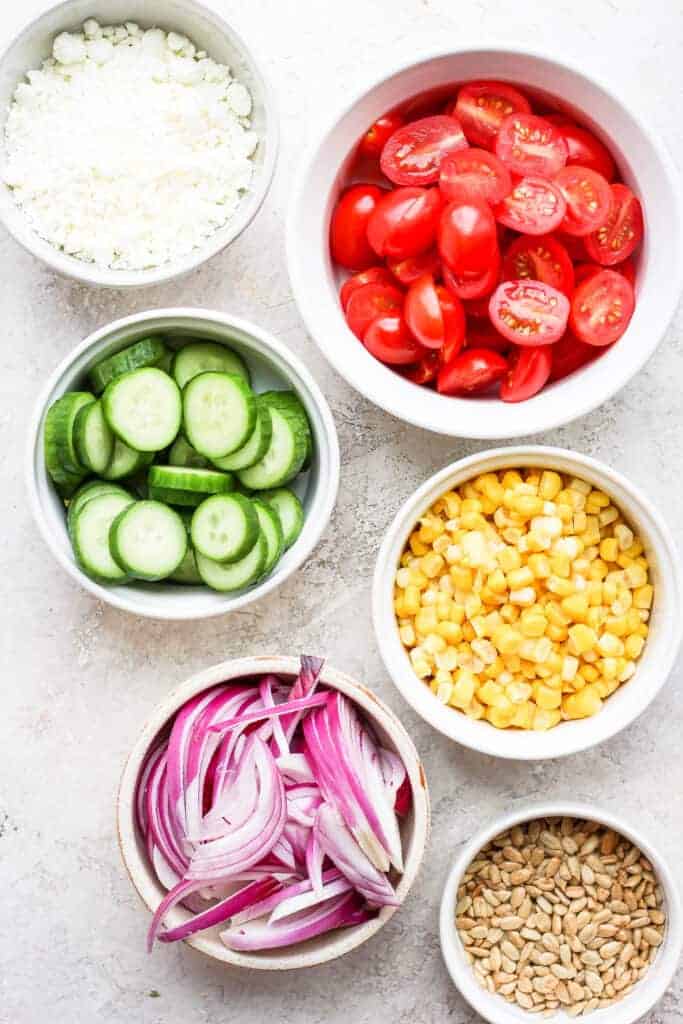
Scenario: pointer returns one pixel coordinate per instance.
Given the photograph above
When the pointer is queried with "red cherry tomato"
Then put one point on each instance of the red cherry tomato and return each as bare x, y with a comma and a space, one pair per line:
622, 231
574, 246
602, 307
467, 238
435, 317
539, 258
374, 275
474, 174
474, 286
404, 222
482, 334
424, 371
414, 154
389, 340
530, 145
408, 270
534, 207
587, 195
627, 268
348, 228
569, 354
369, 302
483, 106
472, 371
528, 372
583, 147
529, 312
378, 134
582, 271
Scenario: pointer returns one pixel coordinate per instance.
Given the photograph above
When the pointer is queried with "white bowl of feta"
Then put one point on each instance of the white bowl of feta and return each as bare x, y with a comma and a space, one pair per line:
140, 139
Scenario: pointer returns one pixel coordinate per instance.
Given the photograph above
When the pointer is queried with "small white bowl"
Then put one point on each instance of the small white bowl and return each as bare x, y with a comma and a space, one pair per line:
272, 365
654, 665
644, 163
645, 993
414, 828
209, 32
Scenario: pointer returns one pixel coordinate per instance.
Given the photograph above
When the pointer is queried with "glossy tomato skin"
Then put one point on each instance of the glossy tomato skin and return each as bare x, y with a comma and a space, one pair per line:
622, 231
528, 372
454, 322
378, 134
570, 354
539, 258
530, 145
474, 174
423, 312
474, 286
467, 238
483, 106
628, 269
587, 195
348, 228
583, 148
411, 268
369, 302
473, 371
388, 339
482, 334
425, 370
529, 312
404, 222
534, 207
373, 275
574, 246
413, 154
602, 307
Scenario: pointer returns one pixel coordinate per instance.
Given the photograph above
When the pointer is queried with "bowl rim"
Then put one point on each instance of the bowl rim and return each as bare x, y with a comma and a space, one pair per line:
670, 950
106, 277
339, 942
392, 399
329, 485
453, 723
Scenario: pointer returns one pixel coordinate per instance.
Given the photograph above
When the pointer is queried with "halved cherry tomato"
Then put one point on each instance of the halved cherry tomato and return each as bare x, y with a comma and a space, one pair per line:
413, 154
483, 106
435, 317
474, 174
408, 270
474, 286
622, 231
540, 258
627, 268
534, 207
467, 238
472, 371
587, 195
404, 222
369, 302
529, 370
373, 275
583, 147
582, 271
602, 307
574, 246
425, 371
389, 339
378, 134
529, 312
530, 145
569, 354
482, 334
348, 228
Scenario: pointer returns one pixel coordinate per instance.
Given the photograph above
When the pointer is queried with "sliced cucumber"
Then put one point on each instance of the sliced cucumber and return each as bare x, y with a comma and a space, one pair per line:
200, 356
225, 527
186, 485
234, 575
124, 462
93, 437
187, 570
183, 454
146, 352
288, 445
166, 362
289, 511
144, 409
272, 531
257, 445
219, 413
87, 491
61, 457
148, 540
90, 537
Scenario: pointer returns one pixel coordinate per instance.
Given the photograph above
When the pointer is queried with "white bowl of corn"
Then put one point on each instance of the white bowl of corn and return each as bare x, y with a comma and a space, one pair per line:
527, 602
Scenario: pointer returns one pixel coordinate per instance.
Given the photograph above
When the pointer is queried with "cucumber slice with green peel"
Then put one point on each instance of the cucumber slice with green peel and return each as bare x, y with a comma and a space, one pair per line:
61, 457
90, 537
289, 511
125, 462
272, 531
257, 445
144, 409
92, 489
183, 454
93, 438
226, 577
225, 527
146, 352
148, 540
166, 362
187, 485
288, 445
200, 356
187, 570
219, 413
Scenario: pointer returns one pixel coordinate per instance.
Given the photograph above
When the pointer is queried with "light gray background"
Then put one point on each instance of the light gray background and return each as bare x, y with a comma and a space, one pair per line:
78, 678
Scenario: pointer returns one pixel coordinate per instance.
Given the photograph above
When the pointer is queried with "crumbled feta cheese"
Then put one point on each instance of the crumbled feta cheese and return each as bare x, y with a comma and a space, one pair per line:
68, 48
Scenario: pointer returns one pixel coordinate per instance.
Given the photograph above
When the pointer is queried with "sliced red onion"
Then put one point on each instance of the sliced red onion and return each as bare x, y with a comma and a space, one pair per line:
315, 856
223, 911
271, 902
280, 744
178, 748
279, 709
304, 686
295, 769
337, 842
141, 792
288, 906
257, 935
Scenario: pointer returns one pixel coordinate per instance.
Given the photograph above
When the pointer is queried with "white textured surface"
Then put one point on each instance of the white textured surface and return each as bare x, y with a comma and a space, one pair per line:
78, 679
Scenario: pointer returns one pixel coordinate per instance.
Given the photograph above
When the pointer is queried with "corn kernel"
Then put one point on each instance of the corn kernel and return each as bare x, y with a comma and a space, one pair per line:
570, 666
411, 600
501, 714
550, 485
642, 597
545, 719
532, 622
462, 577
407, 635
624, 536
426, 621
635, 576
581, 639
547, 698
633, 646
609, 549
583, 704
463, 688
434, 644
432, 565
575, 606
417, 546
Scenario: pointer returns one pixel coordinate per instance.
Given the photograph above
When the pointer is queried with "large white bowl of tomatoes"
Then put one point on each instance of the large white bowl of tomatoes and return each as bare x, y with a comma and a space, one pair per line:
487, 243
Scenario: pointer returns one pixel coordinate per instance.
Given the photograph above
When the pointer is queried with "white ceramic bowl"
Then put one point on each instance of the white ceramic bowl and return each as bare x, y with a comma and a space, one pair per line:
208, 31
644, 164
655, 663
414, 828
648, 990
272, 365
